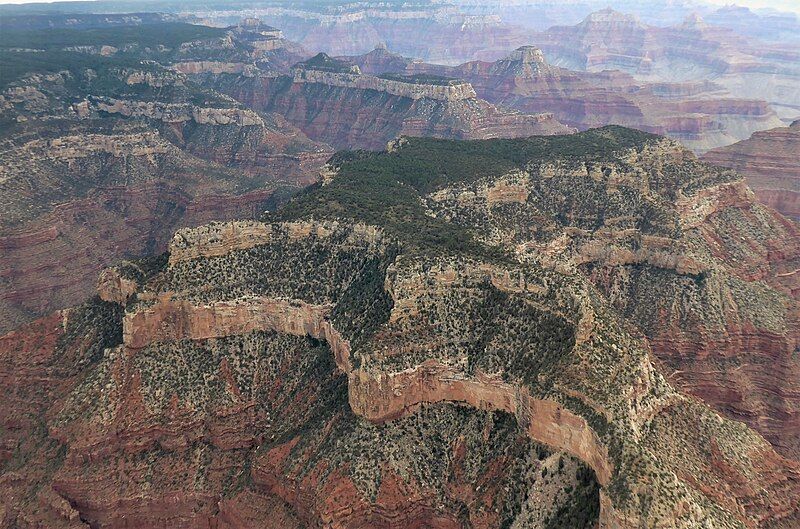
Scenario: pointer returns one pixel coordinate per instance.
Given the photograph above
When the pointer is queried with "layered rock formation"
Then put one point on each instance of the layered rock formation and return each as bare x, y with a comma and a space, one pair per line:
702, 115
684, 262
331, 102
769, 161
103, 158
437, 33
411, 88
721, 48
389, 349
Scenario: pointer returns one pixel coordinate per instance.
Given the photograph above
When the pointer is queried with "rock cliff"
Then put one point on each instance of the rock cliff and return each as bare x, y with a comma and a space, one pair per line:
687, 275
104, 157
768, 159
406, 88
371, 353
702, 115
351, 110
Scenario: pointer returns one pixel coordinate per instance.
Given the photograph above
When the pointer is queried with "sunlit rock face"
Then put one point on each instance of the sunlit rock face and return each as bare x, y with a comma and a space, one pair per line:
415, 331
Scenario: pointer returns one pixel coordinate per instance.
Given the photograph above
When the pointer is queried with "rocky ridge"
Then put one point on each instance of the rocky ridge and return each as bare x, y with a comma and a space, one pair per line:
408, 297
702, 115
445, 92
353, 110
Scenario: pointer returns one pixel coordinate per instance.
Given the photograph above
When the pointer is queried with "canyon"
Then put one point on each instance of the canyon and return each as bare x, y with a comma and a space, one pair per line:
702, 115
289, 368
748, 62
108, 177
333, 102
154, 146
253, 274
768, 159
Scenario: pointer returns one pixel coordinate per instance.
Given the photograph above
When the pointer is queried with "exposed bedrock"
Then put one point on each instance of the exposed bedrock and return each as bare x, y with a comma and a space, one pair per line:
768, 159
339, 368
359, 111
381, 395
690, 284
376, 397
131, 471
52, 262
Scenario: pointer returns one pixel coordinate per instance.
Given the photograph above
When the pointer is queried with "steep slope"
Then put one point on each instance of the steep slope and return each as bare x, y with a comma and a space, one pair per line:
688, 256
331, 101
305, 369
769, 161
702, 115
104, 154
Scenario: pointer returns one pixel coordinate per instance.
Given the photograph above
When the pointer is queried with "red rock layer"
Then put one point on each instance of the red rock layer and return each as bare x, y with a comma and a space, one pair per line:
52, 262
769, 161
358, 118
701, 115
180, 468
742, 365
383, 396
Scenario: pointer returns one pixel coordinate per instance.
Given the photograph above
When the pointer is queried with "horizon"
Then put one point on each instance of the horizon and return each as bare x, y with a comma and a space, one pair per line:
788, 6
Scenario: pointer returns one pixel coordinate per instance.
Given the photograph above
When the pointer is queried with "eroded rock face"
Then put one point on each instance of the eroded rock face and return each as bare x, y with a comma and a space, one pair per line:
89, 177
179, 113
701, 114
712, 252
768, 159
447, 92
353, 110
213, 67
399, 366
381, 396
491, 460
51, 252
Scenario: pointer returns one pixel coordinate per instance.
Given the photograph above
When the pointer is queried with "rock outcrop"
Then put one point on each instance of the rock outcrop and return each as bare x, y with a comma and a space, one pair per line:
214, 67
715, 240
702, 115
340, 364
332, 103
406, 88
103, 158
768, 159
